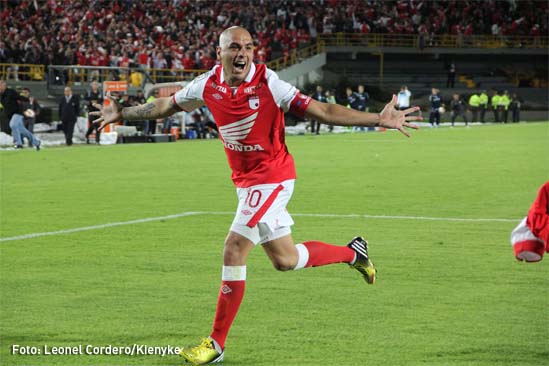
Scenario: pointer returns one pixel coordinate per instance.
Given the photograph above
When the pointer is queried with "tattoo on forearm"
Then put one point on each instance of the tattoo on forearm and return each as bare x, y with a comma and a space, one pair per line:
144, 111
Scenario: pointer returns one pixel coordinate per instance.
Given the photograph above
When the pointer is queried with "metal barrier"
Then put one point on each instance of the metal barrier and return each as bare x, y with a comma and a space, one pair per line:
296, 56
72, 75
75, 75
29, 72
426, 41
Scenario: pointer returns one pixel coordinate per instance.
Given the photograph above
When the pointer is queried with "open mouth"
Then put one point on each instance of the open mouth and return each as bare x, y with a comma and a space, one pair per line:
239, 65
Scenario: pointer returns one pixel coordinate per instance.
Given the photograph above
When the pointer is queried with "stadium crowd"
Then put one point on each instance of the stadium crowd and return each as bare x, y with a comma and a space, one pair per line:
182, 34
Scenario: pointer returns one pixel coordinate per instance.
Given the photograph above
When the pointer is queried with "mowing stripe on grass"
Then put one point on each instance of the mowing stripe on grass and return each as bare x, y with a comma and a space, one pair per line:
194, 213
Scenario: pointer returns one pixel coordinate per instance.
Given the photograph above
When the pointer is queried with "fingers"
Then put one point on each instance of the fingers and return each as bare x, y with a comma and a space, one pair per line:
95, 113
394, 100
404, 132
411, 110
97, 105
409, 125
109, 97
413, 118
103, 125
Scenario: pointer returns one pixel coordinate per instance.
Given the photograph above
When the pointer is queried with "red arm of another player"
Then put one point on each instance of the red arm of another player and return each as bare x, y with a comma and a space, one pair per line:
334, 114
538, 215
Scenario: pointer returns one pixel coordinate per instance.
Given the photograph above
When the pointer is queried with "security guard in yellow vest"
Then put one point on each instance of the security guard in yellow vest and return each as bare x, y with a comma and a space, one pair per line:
494, 102
504, 102
474, 103
483, 104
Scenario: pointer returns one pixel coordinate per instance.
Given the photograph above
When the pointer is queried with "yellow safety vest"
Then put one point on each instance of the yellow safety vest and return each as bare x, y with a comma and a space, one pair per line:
483, 99
474, 100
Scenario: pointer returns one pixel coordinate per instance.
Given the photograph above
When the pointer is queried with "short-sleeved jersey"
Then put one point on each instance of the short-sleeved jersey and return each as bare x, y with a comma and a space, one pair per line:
250, 120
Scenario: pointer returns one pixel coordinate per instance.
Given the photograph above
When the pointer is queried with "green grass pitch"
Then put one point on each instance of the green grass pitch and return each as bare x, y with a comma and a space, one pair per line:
449, 292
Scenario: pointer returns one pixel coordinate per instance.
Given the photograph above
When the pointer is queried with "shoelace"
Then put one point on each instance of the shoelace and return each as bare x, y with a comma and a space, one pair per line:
204, 347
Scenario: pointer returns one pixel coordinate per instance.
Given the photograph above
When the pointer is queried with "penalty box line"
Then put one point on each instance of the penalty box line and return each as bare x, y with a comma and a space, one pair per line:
195, 213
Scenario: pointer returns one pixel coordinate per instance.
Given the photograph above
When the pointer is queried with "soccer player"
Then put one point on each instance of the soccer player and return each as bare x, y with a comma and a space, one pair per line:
248, 102
530, 239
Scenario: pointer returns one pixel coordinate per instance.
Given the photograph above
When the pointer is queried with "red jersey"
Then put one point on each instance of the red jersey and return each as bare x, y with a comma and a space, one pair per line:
250, 120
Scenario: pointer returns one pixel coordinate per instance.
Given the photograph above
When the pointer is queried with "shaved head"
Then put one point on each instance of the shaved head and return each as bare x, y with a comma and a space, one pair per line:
226, 36
236, 53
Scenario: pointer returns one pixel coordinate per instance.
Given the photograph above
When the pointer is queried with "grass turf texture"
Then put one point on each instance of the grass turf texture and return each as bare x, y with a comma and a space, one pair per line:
448, 292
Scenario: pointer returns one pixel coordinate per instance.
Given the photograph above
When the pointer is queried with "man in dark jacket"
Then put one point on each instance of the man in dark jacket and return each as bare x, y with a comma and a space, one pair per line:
12, 104
69, 110
94, 96
318, 95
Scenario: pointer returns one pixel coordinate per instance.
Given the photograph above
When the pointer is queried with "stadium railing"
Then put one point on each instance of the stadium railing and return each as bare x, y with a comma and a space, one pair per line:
74, 74
296, 56
29, 72
77, 75
428, 41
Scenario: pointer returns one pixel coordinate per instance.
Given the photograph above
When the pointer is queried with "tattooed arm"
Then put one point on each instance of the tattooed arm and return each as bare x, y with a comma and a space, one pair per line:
159, 108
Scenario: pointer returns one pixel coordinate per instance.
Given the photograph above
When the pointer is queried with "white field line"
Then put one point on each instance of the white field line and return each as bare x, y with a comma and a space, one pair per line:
194, 213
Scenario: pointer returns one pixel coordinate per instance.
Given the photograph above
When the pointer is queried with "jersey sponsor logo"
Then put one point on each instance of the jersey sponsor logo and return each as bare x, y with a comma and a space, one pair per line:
249, 90
239, 130
246, 212
219, 87
217, 96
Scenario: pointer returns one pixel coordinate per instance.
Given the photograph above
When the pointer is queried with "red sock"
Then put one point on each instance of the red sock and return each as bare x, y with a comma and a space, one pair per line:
321, 254
230, 297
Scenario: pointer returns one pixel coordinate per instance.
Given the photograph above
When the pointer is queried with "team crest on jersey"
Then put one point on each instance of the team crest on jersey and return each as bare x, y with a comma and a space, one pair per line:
217, 96
253, 102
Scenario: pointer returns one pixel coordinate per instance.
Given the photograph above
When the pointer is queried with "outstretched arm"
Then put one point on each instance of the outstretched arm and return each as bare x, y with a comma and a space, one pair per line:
334, 114
158, 108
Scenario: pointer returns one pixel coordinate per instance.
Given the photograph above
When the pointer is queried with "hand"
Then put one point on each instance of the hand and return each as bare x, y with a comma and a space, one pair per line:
107, 115
393, 118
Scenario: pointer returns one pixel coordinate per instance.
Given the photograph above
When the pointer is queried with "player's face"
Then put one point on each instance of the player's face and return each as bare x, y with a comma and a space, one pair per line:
236, 52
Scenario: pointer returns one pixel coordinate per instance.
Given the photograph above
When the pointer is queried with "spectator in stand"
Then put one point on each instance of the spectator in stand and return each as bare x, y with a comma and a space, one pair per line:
136, 24
403, 98
318, 95
93, 96
458, 108
69, 110
435, 102
515, 107
160, 63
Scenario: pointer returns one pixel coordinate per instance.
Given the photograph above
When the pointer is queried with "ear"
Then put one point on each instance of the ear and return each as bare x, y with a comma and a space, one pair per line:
218, 52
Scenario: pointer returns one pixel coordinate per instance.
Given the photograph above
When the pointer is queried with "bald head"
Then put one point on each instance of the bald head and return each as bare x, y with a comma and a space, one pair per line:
236, 52
226, 37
